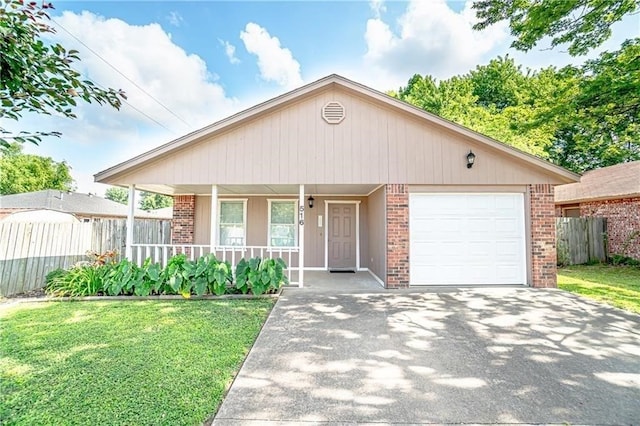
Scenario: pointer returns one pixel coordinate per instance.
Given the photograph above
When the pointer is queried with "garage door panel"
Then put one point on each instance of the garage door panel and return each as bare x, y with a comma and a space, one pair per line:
467, 239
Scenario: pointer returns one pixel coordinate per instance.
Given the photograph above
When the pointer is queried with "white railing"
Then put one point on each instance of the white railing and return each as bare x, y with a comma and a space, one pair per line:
161, 253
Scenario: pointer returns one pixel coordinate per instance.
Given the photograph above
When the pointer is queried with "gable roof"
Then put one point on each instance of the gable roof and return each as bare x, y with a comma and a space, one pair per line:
619, 181
326, 83
70, 202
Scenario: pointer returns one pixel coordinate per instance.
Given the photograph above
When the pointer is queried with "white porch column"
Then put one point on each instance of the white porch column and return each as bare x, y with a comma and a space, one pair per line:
214, 217
131, 205
301, 206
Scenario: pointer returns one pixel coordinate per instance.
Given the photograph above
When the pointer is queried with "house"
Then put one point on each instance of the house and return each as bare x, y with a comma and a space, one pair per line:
612, 192
337, 176
85, 207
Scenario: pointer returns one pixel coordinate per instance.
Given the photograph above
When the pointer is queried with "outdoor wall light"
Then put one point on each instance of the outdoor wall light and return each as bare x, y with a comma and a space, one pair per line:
471, 158
310, 200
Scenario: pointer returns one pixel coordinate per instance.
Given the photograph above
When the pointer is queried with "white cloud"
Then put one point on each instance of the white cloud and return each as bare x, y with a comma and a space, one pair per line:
431, 39
378, 7
101, 136
276, 63
230, 51
175, 18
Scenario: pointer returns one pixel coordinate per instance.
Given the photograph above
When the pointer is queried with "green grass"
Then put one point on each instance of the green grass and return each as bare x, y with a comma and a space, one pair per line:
122, 363
616, 285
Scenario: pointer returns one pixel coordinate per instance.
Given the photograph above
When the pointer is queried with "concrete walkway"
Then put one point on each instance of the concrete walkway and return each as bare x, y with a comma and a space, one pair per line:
466, 356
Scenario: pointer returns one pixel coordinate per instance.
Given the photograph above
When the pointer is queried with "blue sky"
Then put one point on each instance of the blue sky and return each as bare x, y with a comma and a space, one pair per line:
200, 61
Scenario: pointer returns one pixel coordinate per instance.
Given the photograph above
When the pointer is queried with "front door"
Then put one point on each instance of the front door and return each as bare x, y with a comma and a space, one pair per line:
342, 236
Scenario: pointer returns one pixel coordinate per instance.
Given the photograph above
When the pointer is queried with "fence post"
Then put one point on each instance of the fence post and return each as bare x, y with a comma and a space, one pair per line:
131, 204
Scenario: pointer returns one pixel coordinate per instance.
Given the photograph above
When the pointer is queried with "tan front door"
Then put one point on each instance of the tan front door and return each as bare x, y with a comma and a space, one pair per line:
342, 236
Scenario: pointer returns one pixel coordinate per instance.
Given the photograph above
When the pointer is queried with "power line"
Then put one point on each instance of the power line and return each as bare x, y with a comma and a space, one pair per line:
123, 75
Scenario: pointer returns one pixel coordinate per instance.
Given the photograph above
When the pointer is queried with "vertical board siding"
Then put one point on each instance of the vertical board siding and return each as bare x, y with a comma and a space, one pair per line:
374, 144
581, 240
29, 251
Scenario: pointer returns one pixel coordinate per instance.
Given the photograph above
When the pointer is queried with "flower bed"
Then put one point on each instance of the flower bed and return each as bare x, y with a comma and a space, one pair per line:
103, 276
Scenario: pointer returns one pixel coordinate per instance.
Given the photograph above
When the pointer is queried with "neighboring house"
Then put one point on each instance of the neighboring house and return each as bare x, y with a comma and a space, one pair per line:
392, 186
612, 192
85, 207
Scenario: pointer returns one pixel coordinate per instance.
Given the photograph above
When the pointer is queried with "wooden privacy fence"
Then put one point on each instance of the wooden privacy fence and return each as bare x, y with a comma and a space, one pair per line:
581, 240
28, 251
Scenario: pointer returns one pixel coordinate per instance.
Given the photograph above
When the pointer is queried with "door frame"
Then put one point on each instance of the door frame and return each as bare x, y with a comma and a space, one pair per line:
326, 230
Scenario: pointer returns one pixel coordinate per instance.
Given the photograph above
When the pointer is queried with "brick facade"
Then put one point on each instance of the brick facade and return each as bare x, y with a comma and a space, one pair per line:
397, 202
623, 223
184, 209
543, 236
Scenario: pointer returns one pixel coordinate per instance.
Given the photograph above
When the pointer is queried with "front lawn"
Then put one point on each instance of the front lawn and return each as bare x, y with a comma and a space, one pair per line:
122, 363
616, 285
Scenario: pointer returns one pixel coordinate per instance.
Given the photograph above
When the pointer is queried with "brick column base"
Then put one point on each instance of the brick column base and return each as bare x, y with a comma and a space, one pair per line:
397, 202
182, 224
543, 236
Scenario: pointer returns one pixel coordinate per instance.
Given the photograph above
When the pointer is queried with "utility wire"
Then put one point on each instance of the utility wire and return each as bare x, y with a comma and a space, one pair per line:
123, 75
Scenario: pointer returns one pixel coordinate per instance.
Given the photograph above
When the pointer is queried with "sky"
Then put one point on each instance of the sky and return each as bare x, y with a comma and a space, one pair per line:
187, 64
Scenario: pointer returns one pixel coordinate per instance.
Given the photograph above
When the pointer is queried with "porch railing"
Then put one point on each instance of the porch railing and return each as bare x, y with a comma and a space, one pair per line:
161, 253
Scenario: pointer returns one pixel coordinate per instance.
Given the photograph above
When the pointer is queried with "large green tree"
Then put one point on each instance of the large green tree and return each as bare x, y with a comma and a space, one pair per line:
117, 194
579, 24
153, 201
37, 76
26, 173
147, 200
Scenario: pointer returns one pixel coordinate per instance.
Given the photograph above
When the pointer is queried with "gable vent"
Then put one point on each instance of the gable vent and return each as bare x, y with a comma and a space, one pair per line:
333, 112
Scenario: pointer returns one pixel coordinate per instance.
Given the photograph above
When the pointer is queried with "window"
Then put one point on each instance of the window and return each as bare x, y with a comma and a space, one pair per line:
283, 229
571, 211
233, 222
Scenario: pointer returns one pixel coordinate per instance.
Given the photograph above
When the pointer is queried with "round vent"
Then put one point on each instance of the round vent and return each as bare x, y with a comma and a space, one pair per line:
333, 112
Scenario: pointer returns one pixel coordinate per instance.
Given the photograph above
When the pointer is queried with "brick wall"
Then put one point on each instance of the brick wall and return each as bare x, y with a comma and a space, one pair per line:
623, 219
184, 208
397, 201
543, 236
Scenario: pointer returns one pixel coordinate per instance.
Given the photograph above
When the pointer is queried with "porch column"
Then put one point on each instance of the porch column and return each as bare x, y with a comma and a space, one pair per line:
131, 206
214, 217
301, 238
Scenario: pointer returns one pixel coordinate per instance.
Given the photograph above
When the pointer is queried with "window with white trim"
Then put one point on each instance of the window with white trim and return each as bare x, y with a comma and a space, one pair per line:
232, 223
283, 229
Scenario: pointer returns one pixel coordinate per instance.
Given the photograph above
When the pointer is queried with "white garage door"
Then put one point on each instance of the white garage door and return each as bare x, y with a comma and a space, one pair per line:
467, 239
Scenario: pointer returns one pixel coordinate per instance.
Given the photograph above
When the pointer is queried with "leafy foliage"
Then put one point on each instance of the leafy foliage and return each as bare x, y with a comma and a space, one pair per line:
578, 117
582, 24
102, 275
152, 201
27, 173
119, 195
38, 77
260, 275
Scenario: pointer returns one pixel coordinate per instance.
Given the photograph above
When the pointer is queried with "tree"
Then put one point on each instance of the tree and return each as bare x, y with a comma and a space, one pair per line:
36, 76
582, 24
601, 121
498, 83
152, 201
26, 173
119, 195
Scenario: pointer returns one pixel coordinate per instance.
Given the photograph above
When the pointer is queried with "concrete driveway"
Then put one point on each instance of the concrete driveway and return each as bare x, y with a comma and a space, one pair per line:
465, 356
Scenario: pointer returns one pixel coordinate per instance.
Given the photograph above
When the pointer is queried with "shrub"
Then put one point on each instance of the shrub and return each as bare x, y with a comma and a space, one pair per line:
181, 276
260, 275
80, 280
53, 275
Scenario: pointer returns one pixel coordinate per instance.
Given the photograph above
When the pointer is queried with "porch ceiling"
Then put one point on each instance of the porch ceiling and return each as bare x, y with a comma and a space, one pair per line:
314, 189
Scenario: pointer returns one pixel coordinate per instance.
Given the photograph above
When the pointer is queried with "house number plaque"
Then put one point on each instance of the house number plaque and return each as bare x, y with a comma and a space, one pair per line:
301, 216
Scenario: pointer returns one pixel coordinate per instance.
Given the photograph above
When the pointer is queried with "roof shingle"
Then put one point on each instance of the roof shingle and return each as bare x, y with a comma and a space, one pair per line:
619, 181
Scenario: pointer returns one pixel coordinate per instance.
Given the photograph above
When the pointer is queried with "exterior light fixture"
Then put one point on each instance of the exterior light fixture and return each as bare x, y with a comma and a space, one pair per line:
310, 200
471, 158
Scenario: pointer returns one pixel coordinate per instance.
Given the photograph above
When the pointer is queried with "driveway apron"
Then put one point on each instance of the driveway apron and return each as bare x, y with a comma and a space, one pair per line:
492, 355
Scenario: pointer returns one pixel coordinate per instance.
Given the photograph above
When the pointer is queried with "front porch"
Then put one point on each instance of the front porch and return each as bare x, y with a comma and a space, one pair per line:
310, 227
